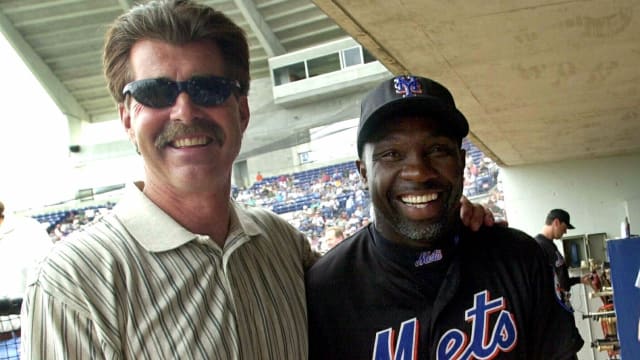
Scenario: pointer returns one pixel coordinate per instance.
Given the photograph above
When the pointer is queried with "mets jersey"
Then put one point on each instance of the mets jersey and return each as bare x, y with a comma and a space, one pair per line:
487, 295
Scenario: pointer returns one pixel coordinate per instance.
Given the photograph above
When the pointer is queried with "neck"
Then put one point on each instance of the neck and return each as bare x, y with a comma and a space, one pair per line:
546, 231
204, 213
431, 238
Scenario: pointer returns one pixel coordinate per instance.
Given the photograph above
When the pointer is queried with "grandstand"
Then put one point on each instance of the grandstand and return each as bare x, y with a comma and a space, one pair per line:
304, 180
329, 192
481, 173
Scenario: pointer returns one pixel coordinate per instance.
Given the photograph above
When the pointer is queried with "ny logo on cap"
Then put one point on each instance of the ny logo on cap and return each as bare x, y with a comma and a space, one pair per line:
407, 86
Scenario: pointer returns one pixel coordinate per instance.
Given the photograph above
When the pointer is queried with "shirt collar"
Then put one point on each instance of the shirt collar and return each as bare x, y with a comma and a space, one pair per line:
156, 231
242, 220
412, 258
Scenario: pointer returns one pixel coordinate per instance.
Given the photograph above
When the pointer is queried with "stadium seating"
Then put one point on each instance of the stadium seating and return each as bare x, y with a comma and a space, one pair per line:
300, 191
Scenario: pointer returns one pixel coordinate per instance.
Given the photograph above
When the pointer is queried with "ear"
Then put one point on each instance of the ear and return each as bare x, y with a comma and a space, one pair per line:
362, 170
243, 108
125, 118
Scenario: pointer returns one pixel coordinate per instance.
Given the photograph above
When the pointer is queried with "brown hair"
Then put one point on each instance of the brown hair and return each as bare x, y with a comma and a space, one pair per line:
338, 231
176, 22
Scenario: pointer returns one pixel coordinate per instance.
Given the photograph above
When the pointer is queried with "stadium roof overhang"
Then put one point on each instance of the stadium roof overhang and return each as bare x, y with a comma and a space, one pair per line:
539, 82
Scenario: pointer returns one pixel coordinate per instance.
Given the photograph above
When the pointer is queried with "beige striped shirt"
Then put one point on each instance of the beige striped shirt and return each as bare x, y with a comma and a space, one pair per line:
137, 285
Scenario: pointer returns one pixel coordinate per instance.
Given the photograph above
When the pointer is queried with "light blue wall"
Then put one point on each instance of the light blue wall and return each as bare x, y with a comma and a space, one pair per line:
598, 194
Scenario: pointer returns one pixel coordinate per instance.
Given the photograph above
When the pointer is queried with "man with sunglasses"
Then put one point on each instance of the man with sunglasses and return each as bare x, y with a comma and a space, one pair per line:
177, 269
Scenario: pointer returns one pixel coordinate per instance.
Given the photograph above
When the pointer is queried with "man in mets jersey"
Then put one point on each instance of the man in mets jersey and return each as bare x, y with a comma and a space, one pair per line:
416, 283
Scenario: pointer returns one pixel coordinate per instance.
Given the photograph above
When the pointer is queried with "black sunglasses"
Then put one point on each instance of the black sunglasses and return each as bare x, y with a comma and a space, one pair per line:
160, 93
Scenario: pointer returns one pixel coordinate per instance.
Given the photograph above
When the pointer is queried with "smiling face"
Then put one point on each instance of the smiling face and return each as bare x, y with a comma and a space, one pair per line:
186, 147
414, 177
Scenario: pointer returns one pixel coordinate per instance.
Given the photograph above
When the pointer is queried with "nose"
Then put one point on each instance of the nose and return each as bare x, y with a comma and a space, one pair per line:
184, 109
418, 168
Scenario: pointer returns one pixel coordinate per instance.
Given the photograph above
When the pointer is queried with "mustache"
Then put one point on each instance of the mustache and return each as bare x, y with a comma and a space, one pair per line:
198, 126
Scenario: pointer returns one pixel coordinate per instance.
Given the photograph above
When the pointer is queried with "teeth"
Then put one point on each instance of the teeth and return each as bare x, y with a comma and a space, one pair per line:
194, 141
419, 199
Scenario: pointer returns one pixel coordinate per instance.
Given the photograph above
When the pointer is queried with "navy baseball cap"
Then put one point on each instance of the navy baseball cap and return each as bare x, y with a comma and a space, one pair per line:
409, 95
561, 215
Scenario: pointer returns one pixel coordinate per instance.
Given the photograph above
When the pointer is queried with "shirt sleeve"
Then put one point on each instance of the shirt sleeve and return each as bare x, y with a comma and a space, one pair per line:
54, 330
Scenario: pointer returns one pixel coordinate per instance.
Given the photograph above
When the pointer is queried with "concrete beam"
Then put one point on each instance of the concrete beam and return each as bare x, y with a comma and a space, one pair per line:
125, 4
262, 30
58, 92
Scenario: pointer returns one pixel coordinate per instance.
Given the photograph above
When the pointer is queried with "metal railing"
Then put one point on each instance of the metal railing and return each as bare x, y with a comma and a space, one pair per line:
10, 328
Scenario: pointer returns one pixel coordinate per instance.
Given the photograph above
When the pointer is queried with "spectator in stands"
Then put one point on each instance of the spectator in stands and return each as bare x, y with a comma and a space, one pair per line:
23, 242
66, 222
495, 204
177, 269
416, 271
350, 205
259, 177
284, 181
318, 222
342, 220
59, 232
337, 175
353, 176
332, 237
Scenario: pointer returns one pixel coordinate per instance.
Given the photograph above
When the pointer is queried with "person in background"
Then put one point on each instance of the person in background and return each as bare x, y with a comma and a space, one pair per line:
416, 283
332, 237
556, 224
177, 269
23, 242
